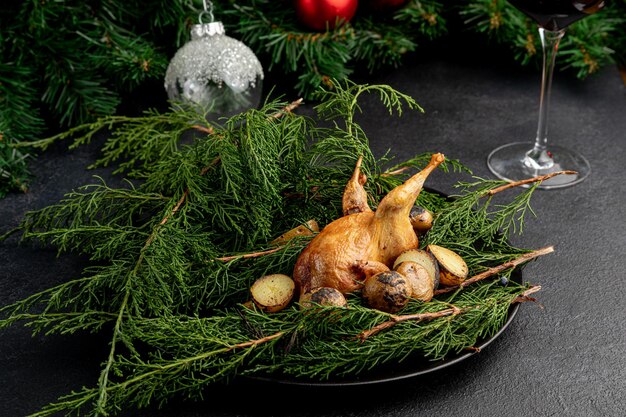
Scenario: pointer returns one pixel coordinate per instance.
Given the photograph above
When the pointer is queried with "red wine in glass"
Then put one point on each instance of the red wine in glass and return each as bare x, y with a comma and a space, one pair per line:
555, 15
519, 160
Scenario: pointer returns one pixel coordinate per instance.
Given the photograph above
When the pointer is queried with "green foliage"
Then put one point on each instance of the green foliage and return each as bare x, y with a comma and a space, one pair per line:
18, 115
373, 40
13, 169
474, 227
589, 44
72, 60
170, 274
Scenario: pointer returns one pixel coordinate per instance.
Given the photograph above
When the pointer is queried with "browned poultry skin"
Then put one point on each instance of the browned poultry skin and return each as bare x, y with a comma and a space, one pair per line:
354, 196
337, 255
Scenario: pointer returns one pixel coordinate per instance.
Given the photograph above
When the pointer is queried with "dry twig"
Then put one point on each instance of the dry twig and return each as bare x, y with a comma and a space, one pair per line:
250, 255
540, 178
395, 319
450, 312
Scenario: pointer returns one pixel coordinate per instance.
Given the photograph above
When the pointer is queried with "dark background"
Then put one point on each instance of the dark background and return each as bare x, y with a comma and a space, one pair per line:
565, 357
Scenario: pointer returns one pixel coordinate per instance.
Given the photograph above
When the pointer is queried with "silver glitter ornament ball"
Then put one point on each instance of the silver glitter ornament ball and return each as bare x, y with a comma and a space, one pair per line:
216, 72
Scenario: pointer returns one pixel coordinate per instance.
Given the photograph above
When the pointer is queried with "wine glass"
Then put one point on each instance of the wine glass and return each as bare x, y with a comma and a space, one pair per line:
519, 160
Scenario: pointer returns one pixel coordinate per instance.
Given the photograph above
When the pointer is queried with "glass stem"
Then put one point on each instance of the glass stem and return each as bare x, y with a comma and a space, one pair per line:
539, 157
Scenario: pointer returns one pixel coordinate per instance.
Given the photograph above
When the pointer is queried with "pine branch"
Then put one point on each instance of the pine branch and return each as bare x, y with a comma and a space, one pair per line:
19, 119
424, 15
74, 60
587, 47
14, 172
73, 92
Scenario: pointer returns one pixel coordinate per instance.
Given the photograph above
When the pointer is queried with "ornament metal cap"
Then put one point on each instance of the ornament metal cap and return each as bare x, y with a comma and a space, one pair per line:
207, 29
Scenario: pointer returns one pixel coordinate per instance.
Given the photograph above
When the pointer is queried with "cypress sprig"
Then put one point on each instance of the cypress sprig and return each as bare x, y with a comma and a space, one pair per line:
176, 254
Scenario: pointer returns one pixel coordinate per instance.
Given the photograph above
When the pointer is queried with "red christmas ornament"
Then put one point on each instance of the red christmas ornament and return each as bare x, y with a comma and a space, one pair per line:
385, 5
317, 14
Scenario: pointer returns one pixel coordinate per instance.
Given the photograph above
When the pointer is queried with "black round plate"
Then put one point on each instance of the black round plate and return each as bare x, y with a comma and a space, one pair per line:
411, 367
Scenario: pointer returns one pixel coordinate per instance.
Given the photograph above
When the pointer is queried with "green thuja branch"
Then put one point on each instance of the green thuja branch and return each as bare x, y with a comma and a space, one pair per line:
479, 230
174, 256
191, 352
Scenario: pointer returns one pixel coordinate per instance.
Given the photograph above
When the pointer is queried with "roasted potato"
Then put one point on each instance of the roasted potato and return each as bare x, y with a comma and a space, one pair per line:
387, 291
452, 268
421, 220
325, 296
308, 229
422, 285
423, 258
272, 293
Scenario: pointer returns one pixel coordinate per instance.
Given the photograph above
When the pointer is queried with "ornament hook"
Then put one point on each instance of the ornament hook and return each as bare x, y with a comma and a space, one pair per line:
208, 10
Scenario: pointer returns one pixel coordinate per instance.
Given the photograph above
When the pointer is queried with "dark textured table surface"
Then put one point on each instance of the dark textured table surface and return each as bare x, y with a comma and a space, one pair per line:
565, 359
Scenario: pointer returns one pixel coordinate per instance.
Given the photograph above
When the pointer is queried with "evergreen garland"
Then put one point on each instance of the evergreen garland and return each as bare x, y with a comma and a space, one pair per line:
174, 257
589, 44
318, 57
68, 62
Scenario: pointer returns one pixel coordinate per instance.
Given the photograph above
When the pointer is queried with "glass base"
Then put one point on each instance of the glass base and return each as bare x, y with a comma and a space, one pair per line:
509, 162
